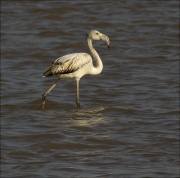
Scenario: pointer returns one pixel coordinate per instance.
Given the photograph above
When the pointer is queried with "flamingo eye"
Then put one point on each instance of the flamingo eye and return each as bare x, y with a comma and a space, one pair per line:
97, 33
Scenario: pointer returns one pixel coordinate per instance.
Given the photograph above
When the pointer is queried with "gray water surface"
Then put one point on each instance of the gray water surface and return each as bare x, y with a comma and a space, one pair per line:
128, 125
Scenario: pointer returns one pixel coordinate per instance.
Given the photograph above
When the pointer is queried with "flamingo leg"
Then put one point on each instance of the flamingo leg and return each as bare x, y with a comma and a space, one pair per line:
77, 93
46, 93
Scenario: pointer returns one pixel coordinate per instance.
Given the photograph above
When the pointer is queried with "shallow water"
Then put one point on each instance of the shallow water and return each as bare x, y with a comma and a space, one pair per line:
128, 125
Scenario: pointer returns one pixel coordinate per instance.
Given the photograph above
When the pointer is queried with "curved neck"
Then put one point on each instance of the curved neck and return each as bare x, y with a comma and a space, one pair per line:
99, 66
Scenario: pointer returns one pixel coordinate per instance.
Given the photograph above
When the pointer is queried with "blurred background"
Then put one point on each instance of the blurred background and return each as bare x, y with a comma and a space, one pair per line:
128, 125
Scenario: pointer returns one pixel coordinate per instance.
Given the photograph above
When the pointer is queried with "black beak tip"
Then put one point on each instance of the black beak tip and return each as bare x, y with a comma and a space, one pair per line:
108, 46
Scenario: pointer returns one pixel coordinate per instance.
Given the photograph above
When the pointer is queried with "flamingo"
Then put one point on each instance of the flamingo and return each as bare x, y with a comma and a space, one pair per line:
76, 65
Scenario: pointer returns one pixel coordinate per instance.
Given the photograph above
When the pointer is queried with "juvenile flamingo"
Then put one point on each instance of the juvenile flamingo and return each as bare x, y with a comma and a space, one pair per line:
76, 65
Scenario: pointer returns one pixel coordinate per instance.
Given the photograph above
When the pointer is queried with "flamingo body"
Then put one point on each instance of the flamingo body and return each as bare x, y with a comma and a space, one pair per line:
70, 66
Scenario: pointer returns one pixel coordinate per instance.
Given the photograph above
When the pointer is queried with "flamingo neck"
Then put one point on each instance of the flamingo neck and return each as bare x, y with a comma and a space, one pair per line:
99, 65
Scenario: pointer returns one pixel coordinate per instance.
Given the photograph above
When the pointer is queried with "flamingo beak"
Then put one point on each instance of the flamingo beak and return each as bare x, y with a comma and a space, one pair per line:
108, 44
106, 40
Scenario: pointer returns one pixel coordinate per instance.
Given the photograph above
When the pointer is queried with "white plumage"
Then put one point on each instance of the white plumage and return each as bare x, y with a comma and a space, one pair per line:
76, 65
69, 64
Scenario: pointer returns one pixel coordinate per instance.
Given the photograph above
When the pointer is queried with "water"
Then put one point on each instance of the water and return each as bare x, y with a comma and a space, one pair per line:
128, 125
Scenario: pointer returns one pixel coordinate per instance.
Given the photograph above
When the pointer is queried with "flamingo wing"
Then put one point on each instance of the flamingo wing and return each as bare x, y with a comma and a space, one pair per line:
67, 64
